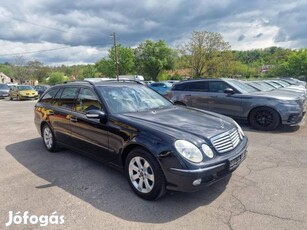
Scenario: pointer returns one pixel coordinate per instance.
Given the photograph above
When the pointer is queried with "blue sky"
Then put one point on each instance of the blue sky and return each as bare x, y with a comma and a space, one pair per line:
76, 32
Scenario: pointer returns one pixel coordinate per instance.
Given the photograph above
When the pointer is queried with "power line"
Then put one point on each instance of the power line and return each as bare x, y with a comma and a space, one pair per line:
46, 50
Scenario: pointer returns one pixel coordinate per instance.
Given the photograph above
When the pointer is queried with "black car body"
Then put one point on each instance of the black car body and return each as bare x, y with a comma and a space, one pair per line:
100, 121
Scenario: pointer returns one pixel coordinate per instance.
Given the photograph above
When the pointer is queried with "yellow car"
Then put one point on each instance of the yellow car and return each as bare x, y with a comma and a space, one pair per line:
21, 92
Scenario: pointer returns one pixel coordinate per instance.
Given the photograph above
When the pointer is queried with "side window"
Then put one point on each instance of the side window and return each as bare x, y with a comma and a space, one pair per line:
217, 86
200, 86
87, 100
48, 97
67, 98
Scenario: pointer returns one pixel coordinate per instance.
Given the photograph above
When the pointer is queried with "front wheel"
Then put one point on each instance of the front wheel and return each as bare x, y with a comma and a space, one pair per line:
49, 139
144, 174
264, 118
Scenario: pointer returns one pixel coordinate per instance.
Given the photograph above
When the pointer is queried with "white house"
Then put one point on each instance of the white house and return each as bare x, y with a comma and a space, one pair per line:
4, 78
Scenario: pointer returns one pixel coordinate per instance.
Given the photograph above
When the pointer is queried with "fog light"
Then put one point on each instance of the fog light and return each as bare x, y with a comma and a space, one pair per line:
197, 182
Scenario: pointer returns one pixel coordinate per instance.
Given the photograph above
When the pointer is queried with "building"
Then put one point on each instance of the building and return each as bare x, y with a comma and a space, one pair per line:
5, 79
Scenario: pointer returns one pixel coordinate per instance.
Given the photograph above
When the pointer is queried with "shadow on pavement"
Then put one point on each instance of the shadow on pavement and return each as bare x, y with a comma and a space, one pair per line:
104, 187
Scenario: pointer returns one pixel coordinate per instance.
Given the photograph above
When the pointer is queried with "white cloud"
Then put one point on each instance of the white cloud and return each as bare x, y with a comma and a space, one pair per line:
85, 26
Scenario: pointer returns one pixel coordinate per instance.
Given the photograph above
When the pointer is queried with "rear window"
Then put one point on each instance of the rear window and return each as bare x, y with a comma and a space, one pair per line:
199, 86
48, 97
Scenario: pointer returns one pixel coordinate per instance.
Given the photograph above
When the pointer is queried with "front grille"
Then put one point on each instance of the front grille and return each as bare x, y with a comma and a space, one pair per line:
226, 141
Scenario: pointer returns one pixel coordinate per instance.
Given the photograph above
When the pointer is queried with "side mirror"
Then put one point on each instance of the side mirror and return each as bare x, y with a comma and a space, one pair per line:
96, 114
229, 91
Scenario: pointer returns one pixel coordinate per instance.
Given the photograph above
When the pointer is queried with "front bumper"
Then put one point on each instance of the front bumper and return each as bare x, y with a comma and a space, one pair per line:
182, 179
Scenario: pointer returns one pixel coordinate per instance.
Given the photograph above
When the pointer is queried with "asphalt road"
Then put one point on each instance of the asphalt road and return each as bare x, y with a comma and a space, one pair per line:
268, 191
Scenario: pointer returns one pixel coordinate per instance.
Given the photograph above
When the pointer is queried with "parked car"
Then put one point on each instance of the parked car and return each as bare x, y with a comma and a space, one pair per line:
41, 89
264, 86
126, 125
264, 111
21, 92
4, 90
160, 87
293, 81
281, 86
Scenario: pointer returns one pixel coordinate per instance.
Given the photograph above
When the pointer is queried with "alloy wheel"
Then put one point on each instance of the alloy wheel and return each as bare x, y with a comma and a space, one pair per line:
141, 174
48, 137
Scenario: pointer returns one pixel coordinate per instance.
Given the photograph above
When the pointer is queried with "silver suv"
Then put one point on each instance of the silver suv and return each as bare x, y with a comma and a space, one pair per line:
263, 110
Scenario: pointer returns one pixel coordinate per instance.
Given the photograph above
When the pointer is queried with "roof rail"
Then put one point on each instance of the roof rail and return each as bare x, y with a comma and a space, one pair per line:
79, 81
124, 80
93, 83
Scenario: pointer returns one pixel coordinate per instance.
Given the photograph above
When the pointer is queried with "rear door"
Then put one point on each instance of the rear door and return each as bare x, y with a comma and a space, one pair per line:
60, 113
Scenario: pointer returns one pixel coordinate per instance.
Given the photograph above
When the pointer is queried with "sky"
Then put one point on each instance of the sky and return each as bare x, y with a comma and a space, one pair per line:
66, 32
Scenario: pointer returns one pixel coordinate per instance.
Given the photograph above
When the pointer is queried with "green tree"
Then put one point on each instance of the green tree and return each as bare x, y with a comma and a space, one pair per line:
153, 57
126, 62
55, 77
89, 71
6, 69
202, 51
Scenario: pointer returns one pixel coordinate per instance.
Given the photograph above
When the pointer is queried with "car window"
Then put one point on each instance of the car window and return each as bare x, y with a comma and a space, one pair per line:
217, 86
24, 87
48, 97
67, 97
129, 99
87, 100
199, 86
3, 86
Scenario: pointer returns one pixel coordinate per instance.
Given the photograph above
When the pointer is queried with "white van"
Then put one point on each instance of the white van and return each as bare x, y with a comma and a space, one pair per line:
131, 77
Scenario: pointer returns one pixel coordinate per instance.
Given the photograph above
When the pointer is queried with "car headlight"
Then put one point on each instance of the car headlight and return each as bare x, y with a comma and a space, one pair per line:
241, 133
188, 151
207, 150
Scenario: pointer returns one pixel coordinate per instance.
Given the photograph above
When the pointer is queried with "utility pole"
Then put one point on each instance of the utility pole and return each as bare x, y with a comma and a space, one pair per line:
116, 56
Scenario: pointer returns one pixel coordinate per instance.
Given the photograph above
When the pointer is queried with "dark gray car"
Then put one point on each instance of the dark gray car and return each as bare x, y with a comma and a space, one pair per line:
263, 110
4, 90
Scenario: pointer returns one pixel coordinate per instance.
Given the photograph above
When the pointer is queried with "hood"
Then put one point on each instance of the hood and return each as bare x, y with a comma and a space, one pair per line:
27, 91
180, 122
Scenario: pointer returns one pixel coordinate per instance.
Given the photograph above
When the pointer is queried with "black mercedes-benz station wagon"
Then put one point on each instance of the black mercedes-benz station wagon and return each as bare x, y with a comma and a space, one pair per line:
125, 124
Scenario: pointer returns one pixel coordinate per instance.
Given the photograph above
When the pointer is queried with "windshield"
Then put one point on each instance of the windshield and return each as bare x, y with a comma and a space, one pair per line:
265, 86
277, 86
257, 86
283, 83
132, 98
24, 87
242, 86
3, 86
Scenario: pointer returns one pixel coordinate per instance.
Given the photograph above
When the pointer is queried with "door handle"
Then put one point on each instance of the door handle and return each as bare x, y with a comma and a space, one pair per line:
73, 119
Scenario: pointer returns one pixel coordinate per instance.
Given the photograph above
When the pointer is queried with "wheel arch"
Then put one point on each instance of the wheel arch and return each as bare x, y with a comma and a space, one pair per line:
262, 106
129, 148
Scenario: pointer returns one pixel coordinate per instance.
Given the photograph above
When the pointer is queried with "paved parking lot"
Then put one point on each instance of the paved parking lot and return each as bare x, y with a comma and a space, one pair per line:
268, 191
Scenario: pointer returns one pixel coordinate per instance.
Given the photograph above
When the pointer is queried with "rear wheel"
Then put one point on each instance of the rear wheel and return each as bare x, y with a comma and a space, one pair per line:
144, 174
264, 118
49, 139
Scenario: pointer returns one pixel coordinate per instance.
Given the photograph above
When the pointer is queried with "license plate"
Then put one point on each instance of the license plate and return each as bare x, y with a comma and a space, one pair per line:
236, 161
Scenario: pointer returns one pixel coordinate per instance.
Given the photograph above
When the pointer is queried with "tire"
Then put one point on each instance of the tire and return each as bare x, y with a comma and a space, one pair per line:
11, 99
144, 174
264, 118
49, 139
